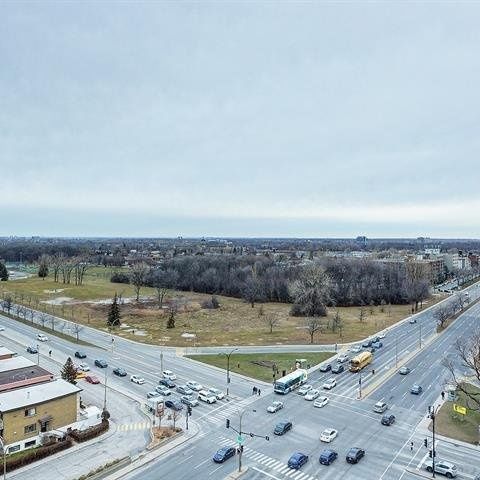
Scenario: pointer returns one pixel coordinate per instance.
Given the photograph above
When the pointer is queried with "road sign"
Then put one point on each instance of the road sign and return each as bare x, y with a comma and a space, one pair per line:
459, 409
240, 439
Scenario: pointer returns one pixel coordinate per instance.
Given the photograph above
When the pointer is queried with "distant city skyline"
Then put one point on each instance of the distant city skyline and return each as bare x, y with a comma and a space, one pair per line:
258, 119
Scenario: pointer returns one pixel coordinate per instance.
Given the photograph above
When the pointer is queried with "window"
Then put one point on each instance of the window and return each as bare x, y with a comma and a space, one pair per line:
15, 448
30, 428
30, 444
30, 412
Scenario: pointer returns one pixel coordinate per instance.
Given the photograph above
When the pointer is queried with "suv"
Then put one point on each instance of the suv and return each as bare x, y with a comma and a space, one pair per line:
174, 405
42, 337
445, 468
416, 389
325, 367
169, 374
388, 419
188, 400
184, 390
101, 363
380, 407
162, 390
218, 393
167, 383
328, 456
80, 354
120, 372
343, 358
297, 460
205, 396
32, 349
303, 390
354, 455
194, 385
338, 368
282, 427
329, 384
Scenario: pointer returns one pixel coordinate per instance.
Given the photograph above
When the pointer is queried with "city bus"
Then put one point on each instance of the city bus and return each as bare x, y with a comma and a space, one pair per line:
290, 382
360, 361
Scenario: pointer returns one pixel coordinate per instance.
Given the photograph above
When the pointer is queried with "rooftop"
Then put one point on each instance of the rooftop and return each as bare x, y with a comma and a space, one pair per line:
14, 364
21, 377
6, 351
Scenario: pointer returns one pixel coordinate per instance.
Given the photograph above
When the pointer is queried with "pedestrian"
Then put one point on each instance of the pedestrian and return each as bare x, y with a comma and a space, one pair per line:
373, 372
443, 395
411, 446
254, 391
258, 390
50, 353
238, 365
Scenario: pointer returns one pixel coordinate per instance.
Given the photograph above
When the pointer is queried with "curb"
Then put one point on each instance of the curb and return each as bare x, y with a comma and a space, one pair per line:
237, 474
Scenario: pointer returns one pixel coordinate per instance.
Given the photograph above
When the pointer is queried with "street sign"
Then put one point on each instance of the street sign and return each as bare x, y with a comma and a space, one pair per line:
240, 439
459, 409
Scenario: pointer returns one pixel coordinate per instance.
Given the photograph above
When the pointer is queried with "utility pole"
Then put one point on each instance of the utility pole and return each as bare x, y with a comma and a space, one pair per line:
360, 385
228, 355
432, 413
38, 354
105, 391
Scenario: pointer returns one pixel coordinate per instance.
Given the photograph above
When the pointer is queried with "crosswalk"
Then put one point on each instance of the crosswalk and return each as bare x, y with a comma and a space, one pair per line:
273, 464
230, 411
126, 427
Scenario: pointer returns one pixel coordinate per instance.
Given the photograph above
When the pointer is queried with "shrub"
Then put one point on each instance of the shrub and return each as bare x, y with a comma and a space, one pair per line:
119, 277
91, 432
211, 303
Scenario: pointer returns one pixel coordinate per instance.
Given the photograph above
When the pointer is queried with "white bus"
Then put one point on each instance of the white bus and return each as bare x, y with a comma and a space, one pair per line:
290, 382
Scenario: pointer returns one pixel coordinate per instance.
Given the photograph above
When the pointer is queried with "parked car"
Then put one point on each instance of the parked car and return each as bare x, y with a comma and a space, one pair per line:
206, 396
343, 358
328, 435
338, 368
41, 337
184, 390
416, 389
162, 390
388, 419
101, 363
83, 367
282, 428
380, 407
92, 379
297, 460
329, 384
404, 371
354, 455
328, 456
169, 374
326, 367
79, 354
137, 379
218, 393
120, 372
304, 389
153, 394
312, 394
412, 321
174, 405
167, 383
188, 400
275, 407
195, 386
32, 349
320, 402
445, 468
224, 454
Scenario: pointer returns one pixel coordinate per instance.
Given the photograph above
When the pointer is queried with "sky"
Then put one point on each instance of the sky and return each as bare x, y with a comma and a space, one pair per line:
291, 119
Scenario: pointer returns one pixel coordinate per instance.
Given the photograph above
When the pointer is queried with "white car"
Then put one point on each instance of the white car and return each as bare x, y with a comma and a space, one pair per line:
382, 335
2, 328
164, 391
342, 358
153, 394
275, 407
356, 349
329, 384
320, 402
169, 374
195, 386
207, 397
312, 394
304, 389
328, 435
41, 337
218, 393
137, 379
83, 367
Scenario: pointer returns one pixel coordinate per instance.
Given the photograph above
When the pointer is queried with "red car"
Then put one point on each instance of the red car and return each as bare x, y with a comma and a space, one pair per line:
92, 379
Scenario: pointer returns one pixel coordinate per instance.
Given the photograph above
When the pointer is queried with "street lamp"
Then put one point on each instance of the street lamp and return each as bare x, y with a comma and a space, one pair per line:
228, 355
2, 443
38, 354
432, 413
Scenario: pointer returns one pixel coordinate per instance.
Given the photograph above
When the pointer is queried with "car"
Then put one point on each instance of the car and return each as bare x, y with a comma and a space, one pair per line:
327, 456
282, 428
416, 389
380, 407
356, 349
174, 405
404, 371
166, 382
83, 367
370, 349
32, 349
92, 379
320, 402
162, 390
328, 435
184, 390
224, 454
297, 460
382, 335
338, 368
388, 419
329, 384
275, 407
137, 379
312, 394
153, 394
218, 393
326, 367
375, 339
120, 372
195, 386
41, 337
101, 363
169, 374
377, 345
367, 343
445, 468
343, 358
206, 396
304, 389
412, 321
79, 354
354, 455
2, 328
188, 400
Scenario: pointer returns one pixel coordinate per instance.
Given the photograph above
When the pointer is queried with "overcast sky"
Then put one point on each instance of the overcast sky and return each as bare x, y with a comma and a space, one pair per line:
240, 118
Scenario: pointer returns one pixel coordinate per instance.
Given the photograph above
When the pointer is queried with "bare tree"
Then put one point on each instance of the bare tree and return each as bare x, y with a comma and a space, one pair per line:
337, 322
80, 268
313, 326
272, 321
175, 415
442, 314
76, 329
162, 281
138, 275
56, 262
43, 318
361, 314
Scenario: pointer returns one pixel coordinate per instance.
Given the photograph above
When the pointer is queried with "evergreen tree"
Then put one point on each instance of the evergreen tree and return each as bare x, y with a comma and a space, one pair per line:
68, 372
3, 272
113, 319
43, 270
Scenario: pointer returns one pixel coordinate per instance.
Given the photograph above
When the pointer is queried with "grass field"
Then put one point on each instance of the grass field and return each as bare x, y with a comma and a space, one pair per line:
235, 322
457, 426
260, 365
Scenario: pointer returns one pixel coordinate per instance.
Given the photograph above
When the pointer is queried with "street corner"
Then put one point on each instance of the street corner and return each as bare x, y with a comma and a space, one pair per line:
235, 475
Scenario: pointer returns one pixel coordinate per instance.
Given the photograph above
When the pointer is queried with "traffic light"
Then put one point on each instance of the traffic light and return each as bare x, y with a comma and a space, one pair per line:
189, 410
425, 442
251, 434
241, 448
429, 410
430, 453
267, 438
227, 423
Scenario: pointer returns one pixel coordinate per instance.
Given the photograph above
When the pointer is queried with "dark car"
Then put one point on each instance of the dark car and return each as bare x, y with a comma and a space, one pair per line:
370, 349
223, 454
32, 349
101, 363
328, 456
338, 368
174, 405
325, 368
167, 383
121, 372
388, 419
416, 389
282, 427
377, 345
80, 355
404, 371
367, 344
375, 339
297, 460
354, 455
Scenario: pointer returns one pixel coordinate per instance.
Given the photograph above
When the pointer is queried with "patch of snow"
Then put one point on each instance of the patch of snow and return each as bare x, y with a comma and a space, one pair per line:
58, 300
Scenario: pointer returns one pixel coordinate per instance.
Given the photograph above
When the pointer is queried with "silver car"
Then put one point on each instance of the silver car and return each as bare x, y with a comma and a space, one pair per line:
445, 468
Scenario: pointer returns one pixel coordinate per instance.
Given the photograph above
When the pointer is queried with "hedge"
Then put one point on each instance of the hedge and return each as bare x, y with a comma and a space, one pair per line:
91, 432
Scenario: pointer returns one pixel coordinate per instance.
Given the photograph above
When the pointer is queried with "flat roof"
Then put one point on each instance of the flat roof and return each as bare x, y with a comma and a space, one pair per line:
36, 394
15, 363
23, 374
6, 351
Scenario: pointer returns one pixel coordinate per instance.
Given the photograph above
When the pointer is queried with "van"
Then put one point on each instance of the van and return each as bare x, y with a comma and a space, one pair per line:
380, 407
